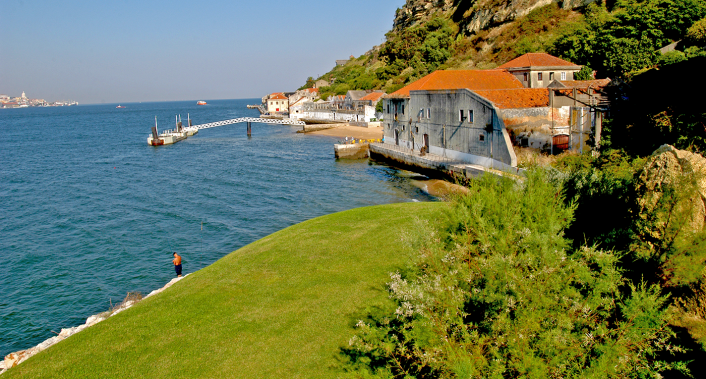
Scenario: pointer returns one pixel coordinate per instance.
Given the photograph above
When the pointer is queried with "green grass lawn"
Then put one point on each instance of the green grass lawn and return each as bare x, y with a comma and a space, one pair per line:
280, 307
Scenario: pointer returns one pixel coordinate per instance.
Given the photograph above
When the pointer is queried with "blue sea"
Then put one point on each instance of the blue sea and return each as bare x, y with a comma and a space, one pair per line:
89, 211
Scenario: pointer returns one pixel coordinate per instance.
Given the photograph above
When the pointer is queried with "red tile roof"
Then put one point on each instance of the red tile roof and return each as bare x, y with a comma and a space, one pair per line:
373, 96
278, 96
459, 79
517, 98
313, 90
537, 60
584, 84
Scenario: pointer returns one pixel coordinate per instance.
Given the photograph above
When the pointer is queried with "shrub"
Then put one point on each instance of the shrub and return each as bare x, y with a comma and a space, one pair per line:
498, 293
671, 58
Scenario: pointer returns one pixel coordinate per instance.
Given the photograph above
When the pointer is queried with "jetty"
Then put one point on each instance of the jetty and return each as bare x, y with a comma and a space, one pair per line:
433, 164
169, 137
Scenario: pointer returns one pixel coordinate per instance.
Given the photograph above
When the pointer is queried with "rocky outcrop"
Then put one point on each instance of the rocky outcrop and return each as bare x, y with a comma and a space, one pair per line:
473, 16
13, 359
416, 11
670, 170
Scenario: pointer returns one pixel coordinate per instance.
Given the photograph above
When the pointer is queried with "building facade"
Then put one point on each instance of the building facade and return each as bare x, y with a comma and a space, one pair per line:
538, 70
277, 102
479, 116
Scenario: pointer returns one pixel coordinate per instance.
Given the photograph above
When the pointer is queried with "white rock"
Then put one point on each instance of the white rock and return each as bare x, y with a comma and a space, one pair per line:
94, 320
13, 359
2, 365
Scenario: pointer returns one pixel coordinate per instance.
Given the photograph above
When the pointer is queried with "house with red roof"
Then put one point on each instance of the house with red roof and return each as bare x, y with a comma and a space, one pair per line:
478, 116
373, 98
538, 70
278, 102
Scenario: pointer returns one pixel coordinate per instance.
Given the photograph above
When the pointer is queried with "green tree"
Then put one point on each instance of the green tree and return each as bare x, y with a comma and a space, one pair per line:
309, 83
696, 34
586, 73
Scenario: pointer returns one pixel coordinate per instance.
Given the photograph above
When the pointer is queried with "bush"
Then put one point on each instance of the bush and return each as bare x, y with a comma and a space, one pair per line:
499, 293
671, 58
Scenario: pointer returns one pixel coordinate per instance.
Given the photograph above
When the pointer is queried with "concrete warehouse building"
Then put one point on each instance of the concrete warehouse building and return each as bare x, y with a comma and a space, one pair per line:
477, 116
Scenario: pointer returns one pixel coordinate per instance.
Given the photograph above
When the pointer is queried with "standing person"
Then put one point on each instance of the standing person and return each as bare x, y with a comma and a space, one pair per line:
177, 264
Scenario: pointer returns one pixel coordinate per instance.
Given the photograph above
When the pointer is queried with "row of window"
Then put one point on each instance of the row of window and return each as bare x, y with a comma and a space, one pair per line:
401, 108
462, 115
540, 77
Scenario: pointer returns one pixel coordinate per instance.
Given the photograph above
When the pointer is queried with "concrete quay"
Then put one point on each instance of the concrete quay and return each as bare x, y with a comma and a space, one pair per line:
308, 128
430, 164
351, 150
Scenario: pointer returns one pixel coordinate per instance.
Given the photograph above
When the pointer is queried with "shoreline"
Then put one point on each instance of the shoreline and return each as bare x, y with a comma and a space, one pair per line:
347, 130
15, 358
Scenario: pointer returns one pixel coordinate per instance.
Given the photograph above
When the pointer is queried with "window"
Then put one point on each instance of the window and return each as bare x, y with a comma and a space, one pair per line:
551, 76
539, 76
470, 116
428, 112
388, 107
460, 115
525, 76
481, 137
402, 109
563, 76
416, 129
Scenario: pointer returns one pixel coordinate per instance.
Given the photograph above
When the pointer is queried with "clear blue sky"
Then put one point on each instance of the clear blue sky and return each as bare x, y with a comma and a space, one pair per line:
126, 51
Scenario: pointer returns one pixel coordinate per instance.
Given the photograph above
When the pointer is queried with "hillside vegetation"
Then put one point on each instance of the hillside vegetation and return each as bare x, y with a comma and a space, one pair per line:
618, 39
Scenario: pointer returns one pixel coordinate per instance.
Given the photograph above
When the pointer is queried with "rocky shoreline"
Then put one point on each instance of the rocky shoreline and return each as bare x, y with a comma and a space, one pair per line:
13, 359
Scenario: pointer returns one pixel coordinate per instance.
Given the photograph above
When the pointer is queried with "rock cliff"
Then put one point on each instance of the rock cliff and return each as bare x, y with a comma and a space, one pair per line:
672, 188
473, 15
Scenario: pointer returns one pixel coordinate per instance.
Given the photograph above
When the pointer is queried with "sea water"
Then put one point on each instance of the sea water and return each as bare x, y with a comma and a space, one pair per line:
89, 211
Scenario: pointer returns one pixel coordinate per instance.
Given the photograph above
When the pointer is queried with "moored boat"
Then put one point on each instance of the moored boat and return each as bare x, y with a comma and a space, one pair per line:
169, 137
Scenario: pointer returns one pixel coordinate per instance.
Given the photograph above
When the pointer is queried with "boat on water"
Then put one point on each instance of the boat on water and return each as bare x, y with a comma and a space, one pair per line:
200, 102
169, 137
120, 106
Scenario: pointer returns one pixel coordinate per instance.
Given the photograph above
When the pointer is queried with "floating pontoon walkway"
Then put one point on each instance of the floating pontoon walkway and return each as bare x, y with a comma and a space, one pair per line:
248, 120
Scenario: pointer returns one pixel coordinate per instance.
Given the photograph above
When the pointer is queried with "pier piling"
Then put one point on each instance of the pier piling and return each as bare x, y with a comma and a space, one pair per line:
249, 130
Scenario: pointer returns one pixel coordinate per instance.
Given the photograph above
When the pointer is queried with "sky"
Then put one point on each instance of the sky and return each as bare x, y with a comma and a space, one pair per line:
129, 51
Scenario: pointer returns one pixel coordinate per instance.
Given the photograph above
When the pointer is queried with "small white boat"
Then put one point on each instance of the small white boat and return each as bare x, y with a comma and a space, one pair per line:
201, 102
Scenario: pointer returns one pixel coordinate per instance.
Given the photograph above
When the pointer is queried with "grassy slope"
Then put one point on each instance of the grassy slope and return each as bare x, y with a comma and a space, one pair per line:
280, 307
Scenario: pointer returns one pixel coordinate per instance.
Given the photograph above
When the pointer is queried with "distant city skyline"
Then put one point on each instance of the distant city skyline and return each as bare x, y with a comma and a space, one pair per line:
132, 51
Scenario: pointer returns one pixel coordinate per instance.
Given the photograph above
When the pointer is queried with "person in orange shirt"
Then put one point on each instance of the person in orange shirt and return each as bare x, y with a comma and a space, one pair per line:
177, 264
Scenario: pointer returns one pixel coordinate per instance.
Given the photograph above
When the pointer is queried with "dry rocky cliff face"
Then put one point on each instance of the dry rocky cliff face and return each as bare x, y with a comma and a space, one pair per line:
680, 170
473, 15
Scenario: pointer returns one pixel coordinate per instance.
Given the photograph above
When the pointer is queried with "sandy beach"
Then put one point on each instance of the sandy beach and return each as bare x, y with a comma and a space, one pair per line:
345, 130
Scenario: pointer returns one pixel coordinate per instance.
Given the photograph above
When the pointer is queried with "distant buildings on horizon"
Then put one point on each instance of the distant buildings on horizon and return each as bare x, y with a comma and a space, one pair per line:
23, 102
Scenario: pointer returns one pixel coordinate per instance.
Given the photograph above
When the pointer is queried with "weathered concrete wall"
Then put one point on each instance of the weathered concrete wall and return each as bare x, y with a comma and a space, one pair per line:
351, 151
436, 115
333, 115
534, 125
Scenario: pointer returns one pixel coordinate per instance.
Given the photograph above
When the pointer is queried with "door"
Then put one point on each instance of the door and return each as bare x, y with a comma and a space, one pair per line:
426, 142
561, 143
397, 137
